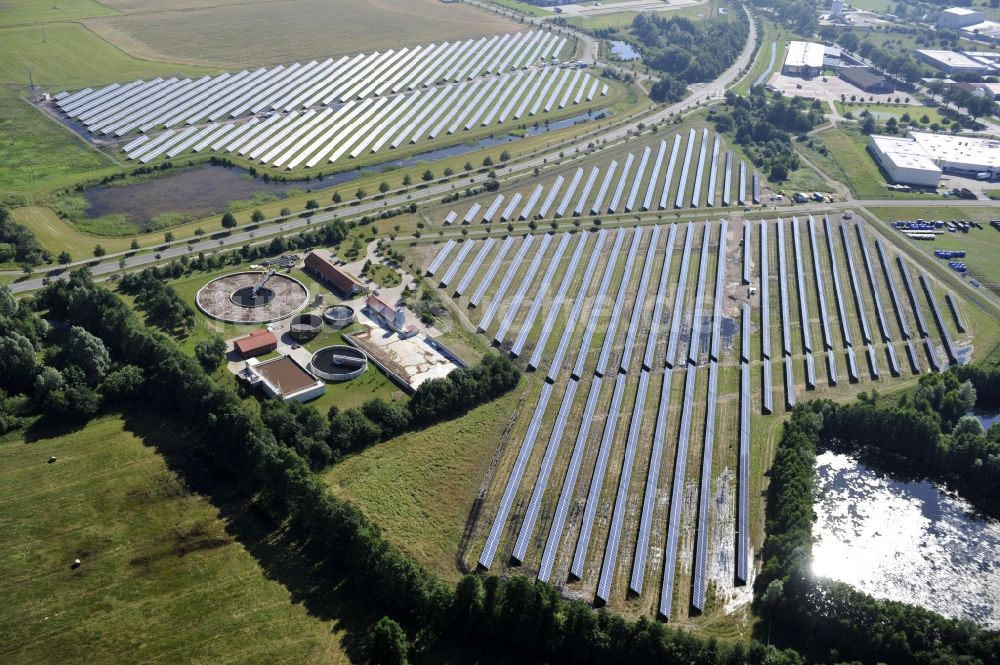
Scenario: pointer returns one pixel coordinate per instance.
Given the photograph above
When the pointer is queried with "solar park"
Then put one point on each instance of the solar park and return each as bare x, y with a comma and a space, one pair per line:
627, 477
322, 112
654, 177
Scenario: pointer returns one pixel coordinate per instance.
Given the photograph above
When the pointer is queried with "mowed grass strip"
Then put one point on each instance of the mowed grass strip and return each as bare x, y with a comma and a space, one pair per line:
278, 32
161, 577
419, 487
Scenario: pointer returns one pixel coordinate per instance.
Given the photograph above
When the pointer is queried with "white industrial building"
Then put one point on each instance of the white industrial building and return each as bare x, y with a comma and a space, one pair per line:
904, 161
962, 155
959, 17
803, 59
922, 157
985, 30
952, 62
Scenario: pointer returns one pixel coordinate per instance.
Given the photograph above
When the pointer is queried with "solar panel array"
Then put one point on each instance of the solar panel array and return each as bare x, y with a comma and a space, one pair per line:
320, 112
584, 536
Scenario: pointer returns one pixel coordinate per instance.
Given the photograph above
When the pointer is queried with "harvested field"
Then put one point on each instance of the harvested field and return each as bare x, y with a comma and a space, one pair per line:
274, 32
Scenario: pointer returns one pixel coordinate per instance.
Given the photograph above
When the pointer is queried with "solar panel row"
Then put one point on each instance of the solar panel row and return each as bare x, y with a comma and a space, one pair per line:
514, 481
569, 483
661, 299
508, 278
574, 317
477, 262
700, 171
873, 283
457, 263
936, 312
824, 320
838, 293
682, 185
675, 318
866, 332
442, 254
491, 273
597, 479
597, 309
618, 306
544, 471
528, 281
543, 290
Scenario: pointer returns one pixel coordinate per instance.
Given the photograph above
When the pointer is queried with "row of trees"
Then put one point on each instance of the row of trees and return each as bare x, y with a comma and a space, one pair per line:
333, 538
832, 621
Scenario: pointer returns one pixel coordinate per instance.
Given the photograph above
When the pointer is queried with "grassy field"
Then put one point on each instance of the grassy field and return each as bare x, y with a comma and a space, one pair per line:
848, 161
521, 7
25, 12
39, 152
419, 487
163, 577
278, 32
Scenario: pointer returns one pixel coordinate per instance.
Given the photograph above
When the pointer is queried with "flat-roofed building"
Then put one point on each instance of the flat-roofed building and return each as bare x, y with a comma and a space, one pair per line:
904, 161
961, 155
803, 59
959, 17
283, 378
321, 264
257, 343
987, 30
866, 79
951, 62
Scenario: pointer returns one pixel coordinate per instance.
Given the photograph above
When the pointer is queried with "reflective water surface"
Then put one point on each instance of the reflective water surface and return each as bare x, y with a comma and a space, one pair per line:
906, 541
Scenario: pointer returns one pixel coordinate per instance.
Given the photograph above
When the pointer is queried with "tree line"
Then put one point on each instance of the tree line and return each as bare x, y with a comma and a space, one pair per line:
230, 441
831, 621
322, 441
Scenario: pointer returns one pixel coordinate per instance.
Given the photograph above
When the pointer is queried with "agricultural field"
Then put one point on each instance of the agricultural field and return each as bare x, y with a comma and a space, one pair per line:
660, 364
165, 574
277, 32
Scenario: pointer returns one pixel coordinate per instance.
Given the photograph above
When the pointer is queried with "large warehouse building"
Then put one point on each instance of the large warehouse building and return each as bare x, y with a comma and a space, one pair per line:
922, 157
952, 62
904, 161
803, 59
959, 17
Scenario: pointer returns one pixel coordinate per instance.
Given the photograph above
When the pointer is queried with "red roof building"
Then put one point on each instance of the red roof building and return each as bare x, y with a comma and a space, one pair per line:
257, 343
320, 263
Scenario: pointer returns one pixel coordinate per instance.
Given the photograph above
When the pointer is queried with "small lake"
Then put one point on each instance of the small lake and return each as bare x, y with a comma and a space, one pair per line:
905, 540
207, 189
624, 50
987, 419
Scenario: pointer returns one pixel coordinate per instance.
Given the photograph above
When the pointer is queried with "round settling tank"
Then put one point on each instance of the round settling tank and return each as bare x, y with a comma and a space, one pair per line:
338, 363
305, 326
339, 316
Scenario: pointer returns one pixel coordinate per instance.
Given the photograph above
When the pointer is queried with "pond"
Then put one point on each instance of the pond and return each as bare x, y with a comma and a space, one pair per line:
207, 189
624, 50
905, 540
